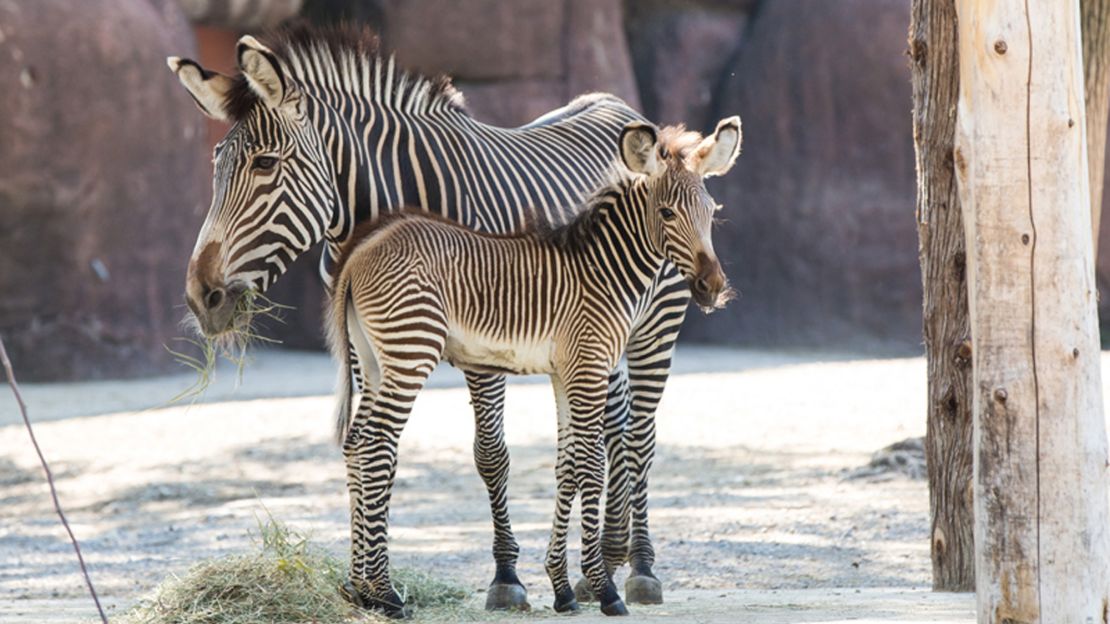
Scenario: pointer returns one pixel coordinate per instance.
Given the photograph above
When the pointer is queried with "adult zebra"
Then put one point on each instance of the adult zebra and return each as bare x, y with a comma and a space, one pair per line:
326, 134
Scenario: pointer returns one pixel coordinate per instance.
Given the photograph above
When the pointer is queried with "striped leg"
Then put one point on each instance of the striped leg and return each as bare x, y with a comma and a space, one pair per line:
371, 454
491, 456
618, 506
581, 469
614, 540
649, 363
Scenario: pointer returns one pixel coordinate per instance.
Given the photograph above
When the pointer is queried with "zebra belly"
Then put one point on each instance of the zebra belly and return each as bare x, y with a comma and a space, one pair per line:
487, 354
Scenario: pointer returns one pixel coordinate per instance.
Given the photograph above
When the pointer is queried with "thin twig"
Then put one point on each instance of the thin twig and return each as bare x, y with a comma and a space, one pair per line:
49, 477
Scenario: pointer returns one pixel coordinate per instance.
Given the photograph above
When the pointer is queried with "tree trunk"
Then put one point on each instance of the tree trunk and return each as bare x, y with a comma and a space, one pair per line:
1095, 24
934, 58
1042, 548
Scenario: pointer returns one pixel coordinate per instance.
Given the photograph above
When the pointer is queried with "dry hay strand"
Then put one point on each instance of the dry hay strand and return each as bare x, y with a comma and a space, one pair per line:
231, 345
287, 579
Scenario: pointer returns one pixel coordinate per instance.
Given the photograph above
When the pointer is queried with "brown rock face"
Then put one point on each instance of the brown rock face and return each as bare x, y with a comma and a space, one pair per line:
102, 185
478, 39
682, 52
514, 60
820, 236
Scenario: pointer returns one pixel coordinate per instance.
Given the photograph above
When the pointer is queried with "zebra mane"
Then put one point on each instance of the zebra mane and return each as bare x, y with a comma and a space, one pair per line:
576, 234
341, 49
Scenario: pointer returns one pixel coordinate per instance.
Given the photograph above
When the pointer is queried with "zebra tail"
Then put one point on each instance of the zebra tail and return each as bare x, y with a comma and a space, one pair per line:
340, 346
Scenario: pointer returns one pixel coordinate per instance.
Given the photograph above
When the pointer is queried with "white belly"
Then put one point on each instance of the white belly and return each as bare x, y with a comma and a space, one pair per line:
475, 352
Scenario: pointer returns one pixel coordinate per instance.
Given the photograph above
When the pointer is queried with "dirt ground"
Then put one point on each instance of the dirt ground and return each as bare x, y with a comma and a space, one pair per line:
757, 483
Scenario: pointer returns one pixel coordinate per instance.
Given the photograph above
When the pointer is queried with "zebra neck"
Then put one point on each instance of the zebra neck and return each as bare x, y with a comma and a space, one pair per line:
622, 246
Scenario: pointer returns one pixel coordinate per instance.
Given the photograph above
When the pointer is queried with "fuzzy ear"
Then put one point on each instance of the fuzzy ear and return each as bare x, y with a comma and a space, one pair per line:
638, 140
716, 153
259, 64
208, 88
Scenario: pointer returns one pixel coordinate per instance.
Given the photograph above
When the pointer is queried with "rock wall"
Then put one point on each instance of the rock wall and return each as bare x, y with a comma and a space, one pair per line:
819, 235
102, 185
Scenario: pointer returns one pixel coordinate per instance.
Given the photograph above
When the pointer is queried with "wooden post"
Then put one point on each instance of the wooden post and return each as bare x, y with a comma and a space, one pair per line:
940, 229
1042, 550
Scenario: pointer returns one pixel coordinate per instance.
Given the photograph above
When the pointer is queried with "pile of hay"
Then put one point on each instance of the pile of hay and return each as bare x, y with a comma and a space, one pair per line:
286, 580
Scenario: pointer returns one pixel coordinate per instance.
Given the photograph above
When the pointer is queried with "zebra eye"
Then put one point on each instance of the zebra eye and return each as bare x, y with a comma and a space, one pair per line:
666, 213
264, 163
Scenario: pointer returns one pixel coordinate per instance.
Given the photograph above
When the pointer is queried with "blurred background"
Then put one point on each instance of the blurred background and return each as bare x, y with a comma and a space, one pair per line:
105, 180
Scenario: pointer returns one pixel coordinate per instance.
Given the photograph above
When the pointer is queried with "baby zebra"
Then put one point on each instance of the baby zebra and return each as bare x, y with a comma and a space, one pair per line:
413, 290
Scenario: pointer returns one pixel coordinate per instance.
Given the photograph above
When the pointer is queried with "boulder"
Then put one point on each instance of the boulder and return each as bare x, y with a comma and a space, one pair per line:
102, 186
681, 51
512, 103
819, 236
477, 39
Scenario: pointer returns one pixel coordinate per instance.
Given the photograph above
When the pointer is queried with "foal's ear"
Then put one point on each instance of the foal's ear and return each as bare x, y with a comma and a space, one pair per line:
208, 88
716, 153
638, 140
263, 71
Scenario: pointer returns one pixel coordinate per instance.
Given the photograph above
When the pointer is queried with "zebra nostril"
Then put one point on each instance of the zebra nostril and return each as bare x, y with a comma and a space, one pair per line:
214, 298
701, 285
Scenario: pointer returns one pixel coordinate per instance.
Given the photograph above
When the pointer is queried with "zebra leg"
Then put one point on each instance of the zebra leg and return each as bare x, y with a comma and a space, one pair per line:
565, 489
649, 362
370, 450
586, 394
614, 537
491, 456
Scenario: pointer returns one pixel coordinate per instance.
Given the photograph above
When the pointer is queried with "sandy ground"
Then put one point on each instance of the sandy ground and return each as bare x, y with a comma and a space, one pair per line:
752, 490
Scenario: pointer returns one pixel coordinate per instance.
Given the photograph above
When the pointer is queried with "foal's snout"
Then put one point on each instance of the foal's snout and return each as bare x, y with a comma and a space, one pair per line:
710, 283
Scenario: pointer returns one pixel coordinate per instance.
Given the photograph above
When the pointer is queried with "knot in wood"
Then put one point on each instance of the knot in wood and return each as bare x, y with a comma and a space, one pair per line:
1000, 395
1024, 239
963, 351
918, 50
1000, 46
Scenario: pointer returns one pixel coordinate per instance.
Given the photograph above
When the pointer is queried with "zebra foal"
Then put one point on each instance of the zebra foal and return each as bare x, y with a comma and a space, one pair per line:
413, 290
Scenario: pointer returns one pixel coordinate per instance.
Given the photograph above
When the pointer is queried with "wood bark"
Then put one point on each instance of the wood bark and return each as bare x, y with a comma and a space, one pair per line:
1095, 25
933, 62
1041, 507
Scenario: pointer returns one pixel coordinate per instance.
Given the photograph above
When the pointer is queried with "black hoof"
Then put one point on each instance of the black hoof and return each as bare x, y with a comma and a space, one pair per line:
351, 595
565, 602
615, 608
583, 592
507, 597
391, 606
642, 589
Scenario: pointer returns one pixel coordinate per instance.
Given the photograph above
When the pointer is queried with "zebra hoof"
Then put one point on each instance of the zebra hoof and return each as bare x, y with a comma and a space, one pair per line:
583, 592
615, 608
643, 589
565, 602
351, 595
392, 607
507, 597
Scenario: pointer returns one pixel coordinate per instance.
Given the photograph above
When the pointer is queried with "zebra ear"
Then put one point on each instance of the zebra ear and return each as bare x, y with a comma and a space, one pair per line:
716, 153
263, 71
208, 88
638, 151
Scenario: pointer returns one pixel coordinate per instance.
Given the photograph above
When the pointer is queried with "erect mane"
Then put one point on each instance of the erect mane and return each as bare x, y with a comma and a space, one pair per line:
577, 233
678, 141
341, 48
